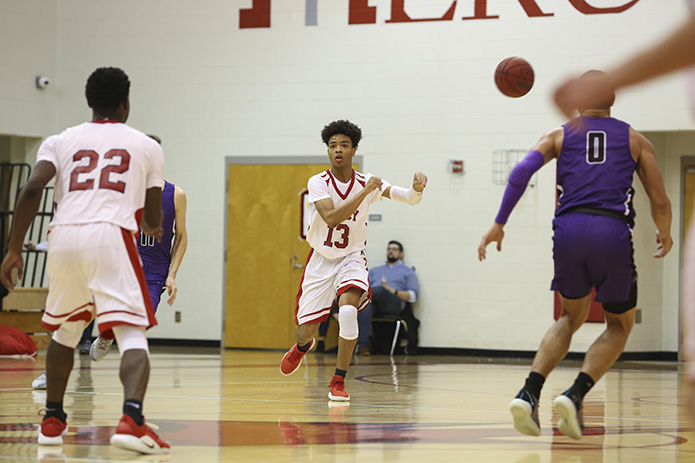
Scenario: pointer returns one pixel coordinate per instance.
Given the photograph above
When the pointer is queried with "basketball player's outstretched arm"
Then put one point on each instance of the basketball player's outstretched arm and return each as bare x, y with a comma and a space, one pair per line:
547, 148
675, 51
333, 216
650, 176
27, 206
411, 196
178, 248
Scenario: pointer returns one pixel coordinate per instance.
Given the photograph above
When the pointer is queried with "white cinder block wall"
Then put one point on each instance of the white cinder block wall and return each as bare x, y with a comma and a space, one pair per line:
423, 94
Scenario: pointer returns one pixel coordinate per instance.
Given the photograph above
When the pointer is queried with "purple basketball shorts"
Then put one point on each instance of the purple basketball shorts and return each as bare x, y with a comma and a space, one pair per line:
593, 250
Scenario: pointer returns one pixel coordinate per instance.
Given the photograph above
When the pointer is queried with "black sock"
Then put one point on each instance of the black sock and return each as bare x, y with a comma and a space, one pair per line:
581, 386
321, 346
534, 383
133, 408
305, 347
55, 409
340, 372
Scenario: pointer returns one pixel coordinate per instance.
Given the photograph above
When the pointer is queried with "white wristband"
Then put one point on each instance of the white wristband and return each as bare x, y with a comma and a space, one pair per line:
409, 196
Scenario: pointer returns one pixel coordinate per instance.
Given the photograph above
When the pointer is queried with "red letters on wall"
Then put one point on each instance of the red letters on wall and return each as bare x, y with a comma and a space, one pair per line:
360, 12
257, 16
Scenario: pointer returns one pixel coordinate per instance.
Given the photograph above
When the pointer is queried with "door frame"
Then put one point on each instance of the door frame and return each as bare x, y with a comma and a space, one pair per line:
256, 160
685, 162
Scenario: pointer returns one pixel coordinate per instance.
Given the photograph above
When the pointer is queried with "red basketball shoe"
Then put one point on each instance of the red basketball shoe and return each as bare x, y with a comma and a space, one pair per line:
141, 439
51, 431
293, 359
337, 391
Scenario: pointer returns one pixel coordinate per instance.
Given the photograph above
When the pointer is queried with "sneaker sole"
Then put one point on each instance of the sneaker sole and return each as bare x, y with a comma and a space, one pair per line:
57, 440
521, 412
568, 424
144, 444
313, 342
338, 398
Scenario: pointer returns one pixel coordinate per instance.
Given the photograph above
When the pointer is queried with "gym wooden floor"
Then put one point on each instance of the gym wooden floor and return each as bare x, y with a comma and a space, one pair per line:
236, 406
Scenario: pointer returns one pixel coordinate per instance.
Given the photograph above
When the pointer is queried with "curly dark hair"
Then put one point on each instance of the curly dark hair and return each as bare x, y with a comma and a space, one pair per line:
342, 127
107, 88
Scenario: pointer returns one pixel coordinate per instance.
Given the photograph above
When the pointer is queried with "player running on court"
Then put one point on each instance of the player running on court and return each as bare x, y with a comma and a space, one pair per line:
108, 178
339, 201
596, 158
160, 259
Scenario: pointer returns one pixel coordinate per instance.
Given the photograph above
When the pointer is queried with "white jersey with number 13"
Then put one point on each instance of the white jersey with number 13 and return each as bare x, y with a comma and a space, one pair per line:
350, 235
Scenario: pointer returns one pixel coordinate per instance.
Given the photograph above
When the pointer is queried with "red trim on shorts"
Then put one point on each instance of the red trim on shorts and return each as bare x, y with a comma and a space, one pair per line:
320, 319
85, 315
122, 311
50, 327
70, 313
359, 281
325, 317
301, 282
131, 247
367, 301
335, 185
106, 329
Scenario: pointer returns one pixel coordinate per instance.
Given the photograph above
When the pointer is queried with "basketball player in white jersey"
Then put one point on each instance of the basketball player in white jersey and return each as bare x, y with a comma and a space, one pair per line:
675, 51
339, 201
108, 177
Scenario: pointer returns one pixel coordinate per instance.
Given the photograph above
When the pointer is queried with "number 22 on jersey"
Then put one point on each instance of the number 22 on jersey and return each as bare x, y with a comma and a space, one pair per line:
105, 181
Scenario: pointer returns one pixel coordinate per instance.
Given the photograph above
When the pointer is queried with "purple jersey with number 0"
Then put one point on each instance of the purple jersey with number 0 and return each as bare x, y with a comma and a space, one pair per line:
156, 256
595, 166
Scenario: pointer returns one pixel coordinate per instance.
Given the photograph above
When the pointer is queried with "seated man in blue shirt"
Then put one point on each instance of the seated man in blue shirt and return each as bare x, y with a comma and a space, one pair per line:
392, 285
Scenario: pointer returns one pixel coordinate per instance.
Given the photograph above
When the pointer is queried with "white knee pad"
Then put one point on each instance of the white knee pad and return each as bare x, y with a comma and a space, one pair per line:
130, 337
69, 333
347, 318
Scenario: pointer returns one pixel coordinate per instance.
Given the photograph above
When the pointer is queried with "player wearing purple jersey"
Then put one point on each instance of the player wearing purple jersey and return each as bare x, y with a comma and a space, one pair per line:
160, 260
156, 255
671, 53
596, 157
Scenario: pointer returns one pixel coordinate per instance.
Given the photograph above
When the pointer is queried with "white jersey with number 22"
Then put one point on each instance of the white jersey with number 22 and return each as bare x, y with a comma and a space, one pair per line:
103, 170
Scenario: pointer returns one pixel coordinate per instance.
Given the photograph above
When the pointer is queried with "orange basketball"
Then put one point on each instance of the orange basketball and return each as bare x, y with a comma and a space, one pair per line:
514, 77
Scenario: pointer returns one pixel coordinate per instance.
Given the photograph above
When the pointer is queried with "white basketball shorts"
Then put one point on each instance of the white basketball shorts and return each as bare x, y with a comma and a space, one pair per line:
325, 278
96, 263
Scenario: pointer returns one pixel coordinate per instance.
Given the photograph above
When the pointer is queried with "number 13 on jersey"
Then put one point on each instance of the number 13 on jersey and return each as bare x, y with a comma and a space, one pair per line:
342, 240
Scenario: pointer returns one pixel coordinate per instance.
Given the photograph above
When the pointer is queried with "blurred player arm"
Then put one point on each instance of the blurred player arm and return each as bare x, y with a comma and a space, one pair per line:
650, 176
333, 216
411, 196
26, 208
673, 52
152, 216
178, 248
547, 148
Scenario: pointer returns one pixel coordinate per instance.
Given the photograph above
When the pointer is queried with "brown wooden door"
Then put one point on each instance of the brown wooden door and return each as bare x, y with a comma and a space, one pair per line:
265, 252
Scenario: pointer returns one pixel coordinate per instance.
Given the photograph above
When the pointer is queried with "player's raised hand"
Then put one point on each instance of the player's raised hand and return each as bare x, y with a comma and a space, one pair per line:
419, 181
374, 183
663, 245
495, 233
13, 260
